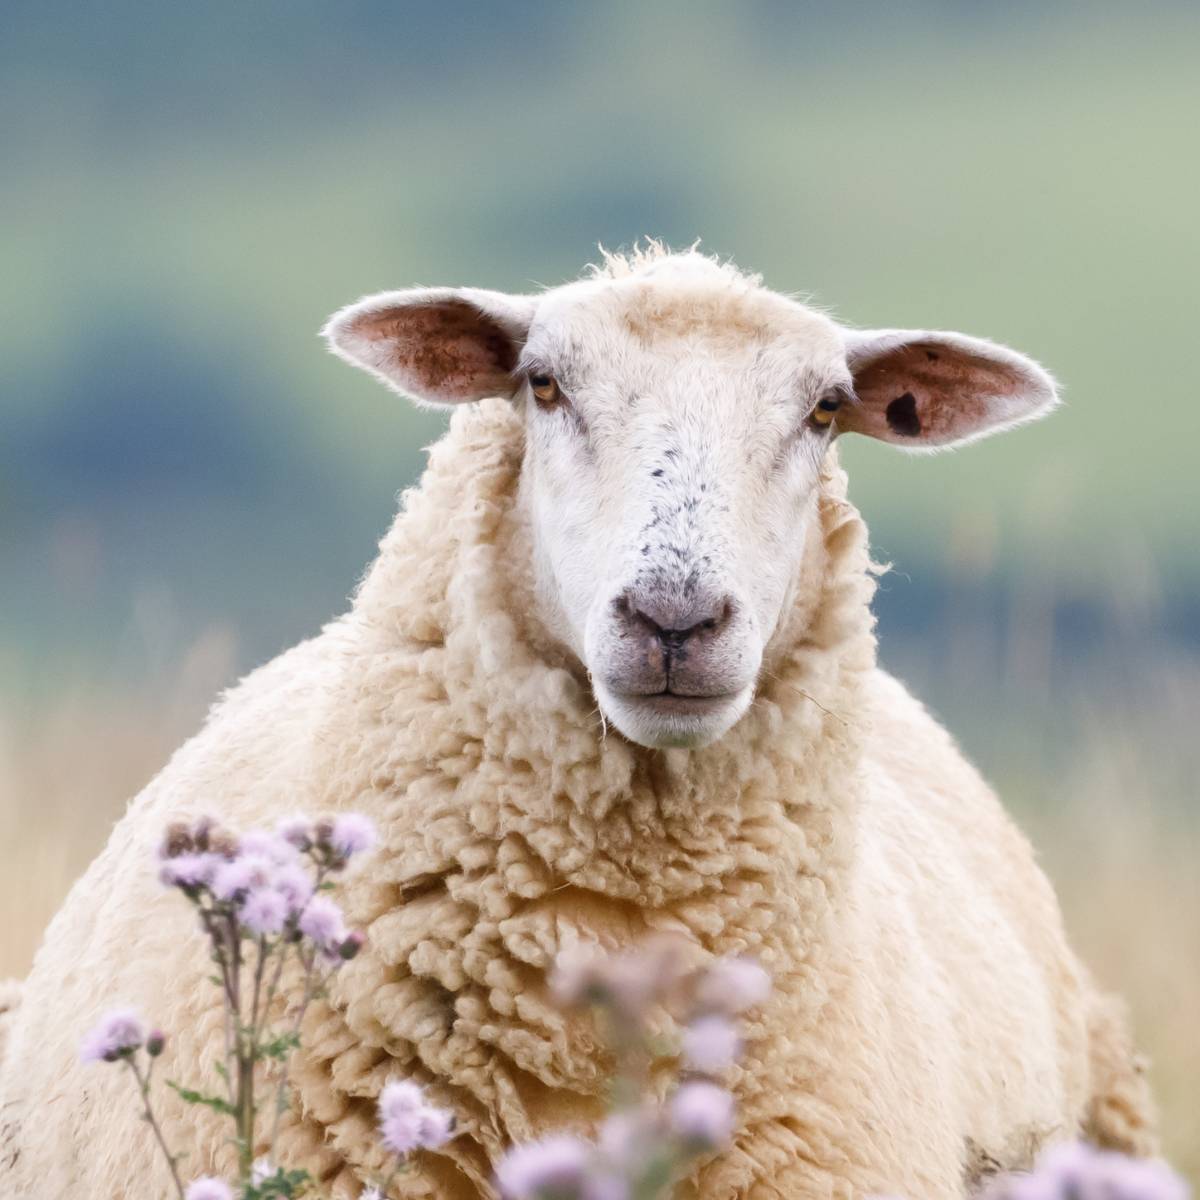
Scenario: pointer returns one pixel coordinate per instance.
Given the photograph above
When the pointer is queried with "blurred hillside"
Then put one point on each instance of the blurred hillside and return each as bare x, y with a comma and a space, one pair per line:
190, 190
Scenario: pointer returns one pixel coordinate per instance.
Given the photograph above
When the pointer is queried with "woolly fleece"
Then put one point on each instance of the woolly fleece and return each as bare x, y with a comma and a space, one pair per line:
928, 1023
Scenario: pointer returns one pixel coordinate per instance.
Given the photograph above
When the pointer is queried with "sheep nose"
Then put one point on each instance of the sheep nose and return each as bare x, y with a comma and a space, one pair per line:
673, 622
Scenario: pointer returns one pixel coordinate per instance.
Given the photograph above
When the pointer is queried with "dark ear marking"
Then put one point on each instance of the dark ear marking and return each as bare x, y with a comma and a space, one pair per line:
902, 416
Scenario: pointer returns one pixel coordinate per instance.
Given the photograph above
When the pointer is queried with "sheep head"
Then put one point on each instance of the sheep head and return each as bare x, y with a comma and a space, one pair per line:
677, 416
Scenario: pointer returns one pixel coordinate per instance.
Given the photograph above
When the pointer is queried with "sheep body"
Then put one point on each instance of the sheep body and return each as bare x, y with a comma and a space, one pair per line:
929, 1022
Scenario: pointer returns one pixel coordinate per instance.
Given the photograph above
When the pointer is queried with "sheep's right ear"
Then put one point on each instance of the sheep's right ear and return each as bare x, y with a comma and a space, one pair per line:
438, 345
926, 390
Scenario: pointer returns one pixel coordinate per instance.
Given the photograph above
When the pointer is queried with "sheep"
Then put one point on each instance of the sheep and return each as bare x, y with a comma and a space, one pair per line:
614, 673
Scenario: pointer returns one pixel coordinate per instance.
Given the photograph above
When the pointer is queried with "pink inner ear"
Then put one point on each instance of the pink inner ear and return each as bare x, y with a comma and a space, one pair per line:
450, 350
930, 392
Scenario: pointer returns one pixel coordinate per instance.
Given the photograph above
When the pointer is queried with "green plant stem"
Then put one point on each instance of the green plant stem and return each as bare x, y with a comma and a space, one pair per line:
284, 1072
259, 971
272, 989
244, 1102
251, 1038
309, 991
217, 937
143, 1083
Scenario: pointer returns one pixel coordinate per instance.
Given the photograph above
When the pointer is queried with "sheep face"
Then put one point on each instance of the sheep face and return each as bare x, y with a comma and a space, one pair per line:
677, 415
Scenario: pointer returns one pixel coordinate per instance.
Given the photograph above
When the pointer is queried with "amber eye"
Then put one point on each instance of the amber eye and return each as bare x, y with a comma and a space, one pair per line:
545, 390
825, 411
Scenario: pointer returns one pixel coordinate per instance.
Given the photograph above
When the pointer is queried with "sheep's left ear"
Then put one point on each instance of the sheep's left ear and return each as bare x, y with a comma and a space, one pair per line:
924, 390
437, 345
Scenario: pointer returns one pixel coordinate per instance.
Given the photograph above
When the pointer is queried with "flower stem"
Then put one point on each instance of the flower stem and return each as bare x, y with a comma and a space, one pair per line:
284, 1073
216, 936
143, 1083
268, 1008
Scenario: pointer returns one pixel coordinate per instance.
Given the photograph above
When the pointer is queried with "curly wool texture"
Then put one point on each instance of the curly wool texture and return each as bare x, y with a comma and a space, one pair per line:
927, 1015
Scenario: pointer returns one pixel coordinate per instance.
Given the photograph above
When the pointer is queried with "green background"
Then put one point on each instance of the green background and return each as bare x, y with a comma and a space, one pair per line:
189, 190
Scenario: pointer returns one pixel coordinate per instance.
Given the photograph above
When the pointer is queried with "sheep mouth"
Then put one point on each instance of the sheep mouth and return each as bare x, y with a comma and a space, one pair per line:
679, 703
665, 718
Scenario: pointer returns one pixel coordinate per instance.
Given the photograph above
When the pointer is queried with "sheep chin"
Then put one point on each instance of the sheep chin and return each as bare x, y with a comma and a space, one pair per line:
663, 723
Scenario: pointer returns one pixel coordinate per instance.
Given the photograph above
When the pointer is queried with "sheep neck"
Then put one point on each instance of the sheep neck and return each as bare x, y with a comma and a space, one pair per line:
527, 761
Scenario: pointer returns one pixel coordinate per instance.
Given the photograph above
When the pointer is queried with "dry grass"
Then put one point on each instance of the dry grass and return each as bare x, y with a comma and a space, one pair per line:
1114, 830
1119, 833
67, 772
1132, 901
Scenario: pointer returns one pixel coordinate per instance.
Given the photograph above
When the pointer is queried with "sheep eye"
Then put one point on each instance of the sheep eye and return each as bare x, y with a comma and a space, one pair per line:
822, 416
545, 390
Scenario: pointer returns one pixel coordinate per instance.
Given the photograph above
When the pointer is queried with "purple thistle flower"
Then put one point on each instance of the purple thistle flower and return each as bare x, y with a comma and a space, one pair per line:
702, 1114
555, 1166
401, 1132
606, 1185
732, 985
576, 974
711, 1044
118, 1033
629, 1139
352, 833
208, 1188
261, 1169
190, 870
622, 1135
296, 830
258, 843
263, 911
294, 884
401, 1096
436, 1127
642, 977
239, 876
629, 982
1075, 1171
322, 921
407, 1122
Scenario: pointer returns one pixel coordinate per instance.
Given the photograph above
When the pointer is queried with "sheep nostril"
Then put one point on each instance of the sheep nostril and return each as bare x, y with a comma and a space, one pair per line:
670, 624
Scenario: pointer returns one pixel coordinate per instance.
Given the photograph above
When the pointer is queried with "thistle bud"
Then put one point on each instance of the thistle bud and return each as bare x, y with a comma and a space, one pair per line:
351, 946
155, 1042
202, 831
176, 841
222, 843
